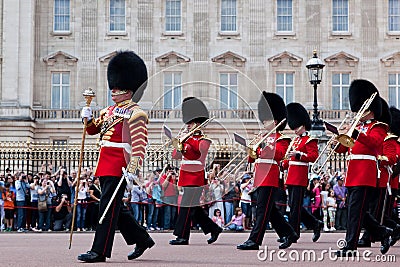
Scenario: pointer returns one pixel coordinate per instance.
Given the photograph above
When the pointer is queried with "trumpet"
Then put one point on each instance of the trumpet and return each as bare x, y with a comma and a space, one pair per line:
177, 142
346, 139
253, 148
317, 169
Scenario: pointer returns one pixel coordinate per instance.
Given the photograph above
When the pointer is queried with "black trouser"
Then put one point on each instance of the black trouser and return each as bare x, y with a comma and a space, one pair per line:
358, 202
132, 232
377, 200
341, 218
267, 211
297, 212
190, 210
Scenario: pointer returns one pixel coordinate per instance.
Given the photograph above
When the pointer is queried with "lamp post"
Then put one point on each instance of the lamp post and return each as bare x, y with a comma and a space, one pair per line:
315, 68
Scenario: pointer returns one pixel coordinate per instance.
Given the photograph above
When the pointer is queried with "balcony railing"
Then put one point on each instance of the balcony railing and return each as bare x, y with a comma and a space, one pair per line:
160, 114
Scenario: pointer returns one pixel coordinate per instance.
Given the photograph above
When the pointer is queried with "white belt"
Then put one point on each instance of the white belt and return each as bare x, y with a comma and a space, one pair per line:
298, 163
194, 162
268, 161
366, 157
358, 156
125, 146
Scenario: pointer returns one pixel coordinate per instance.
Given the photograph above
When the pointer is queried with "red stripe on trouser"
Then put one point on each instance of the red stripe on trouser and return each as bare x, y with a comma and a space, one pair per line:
265, 216
187, 217
109, 229
359, 221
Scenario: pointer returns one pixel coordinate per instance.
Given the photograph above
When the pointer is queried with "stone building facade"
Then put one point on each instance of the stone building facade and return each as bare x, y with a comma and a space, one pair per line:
222, 51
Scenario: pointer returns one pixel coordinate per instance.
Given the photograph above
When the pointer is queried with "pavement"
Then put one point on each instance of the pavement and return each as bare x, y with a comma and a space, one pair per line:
51, 249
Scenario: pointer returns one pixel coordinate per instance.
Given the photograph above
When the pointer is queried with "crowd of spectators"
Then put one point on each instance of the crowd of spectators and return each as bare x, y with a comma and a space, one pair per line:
44, 201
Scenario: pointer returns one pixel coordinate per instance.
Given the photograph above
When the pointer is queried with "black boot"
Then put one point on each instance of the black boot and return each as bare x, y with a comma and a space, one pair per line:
386, 240
288, 241
317, 231
139, 249
395, 235
179, 241
248, 245
91, 256
364, 243
214, 236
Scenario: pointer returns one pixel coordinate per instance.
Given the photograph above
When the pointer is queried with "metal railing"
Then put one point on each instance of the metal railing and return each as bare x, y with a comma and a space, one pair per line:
30, 156
243, 114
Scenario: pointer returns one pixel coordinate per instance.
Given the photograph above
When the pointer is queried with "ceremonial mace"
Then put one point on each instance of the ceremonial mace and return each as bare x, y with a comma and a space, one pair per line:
89, 94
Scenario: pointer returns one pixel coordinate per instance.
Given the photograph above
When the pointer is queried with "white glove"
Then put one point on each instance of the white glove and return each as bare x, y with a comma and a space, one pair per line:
86, 113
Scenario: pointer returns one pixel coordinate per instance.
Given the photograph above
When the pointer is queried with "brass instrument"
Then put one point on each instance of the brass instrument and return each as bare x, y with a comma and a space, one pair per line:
177, 142
317, 169
253, 148
346, 139
289, 148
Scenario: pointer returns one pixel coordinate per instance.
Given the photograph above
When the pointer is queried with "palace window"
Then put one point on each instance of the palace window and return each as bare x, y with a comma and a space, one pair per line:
284, 85
340, 15
60, 90
117, 16
340, 91
172, 89
62, 16
228, 90
284, 19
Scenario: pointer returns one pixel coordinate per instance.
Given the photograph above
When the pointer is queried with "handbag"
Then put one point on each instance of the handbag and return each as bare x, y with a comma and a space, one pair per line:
42, 204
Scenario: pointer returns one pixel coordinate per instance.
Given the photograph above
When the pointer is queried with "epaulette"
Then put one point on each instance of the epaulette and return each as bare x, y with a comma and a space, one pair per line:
282, 137
204, 137
379, 123
390, 136
311, 139
137, 112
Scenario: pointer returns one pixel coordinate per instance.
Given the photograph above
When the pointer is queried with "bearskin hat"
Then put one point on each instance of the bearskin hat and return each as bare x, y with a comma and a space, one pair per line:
194, 110
127, 71
395, 127
272, 107
360, 90
385, 117
297, 116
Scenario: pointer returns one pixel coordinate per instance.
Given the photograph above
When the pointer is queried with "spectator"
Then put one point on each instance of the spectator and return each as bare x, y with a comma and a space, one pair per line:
62, 213
341, 211
331, 204
316, 193
136, 197
143, 206
245, 198
217, 218
156, 195
217, 190
229, 198
2, 227
64, 184
9, 198
82, 204
324, 196
95, 194
45, 193
170, 199
34, 203
22, 187
238, 221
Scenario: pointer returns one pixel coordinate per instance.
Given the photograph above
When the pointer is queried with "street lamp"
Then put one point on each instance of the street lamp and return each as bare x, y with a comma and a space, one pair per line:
315, 68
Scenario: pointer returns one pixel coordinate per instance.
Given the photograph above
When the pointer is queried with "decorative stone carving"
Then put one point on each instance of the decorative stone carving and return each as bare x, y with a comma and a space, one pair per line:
60, 56
341, 58
230, 58
290, 58
171, 58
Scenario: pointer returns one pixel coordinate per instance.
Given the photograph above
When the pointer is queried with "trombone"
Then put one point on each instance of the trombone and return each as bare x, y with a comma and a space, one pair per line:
253, 148
346, 139
177, 142
317, 169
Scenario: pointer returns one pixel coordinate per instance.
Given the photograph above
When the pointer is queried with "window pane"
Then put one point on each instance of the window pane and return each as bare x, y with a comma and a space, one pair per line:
117, 15
224, 97
223, 79
392, 96
346, 79
289, 78
336, 79
167, 78
284, 15
56, 78
392, 79
280, 78
233, 79
345, 97
55, 97
65, 97
228, 15
167, 98
233, 97
177, 96
280, 91
289, 95
335, 97
177, 78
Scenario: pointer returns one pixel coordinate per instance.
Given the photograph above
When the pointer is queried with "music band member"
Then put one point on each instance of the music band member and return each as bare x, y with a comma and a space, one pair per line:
193, 152
271, 111
303, 151
123, 136
386, 159
362, 171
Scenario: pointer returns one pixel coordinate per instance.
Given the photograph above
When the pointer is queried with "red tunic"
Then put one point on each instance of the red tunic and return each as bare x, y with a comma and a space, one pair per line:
363, 172
394, 183
298, 168
388, 158
267, 168
123, 135
193, 155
